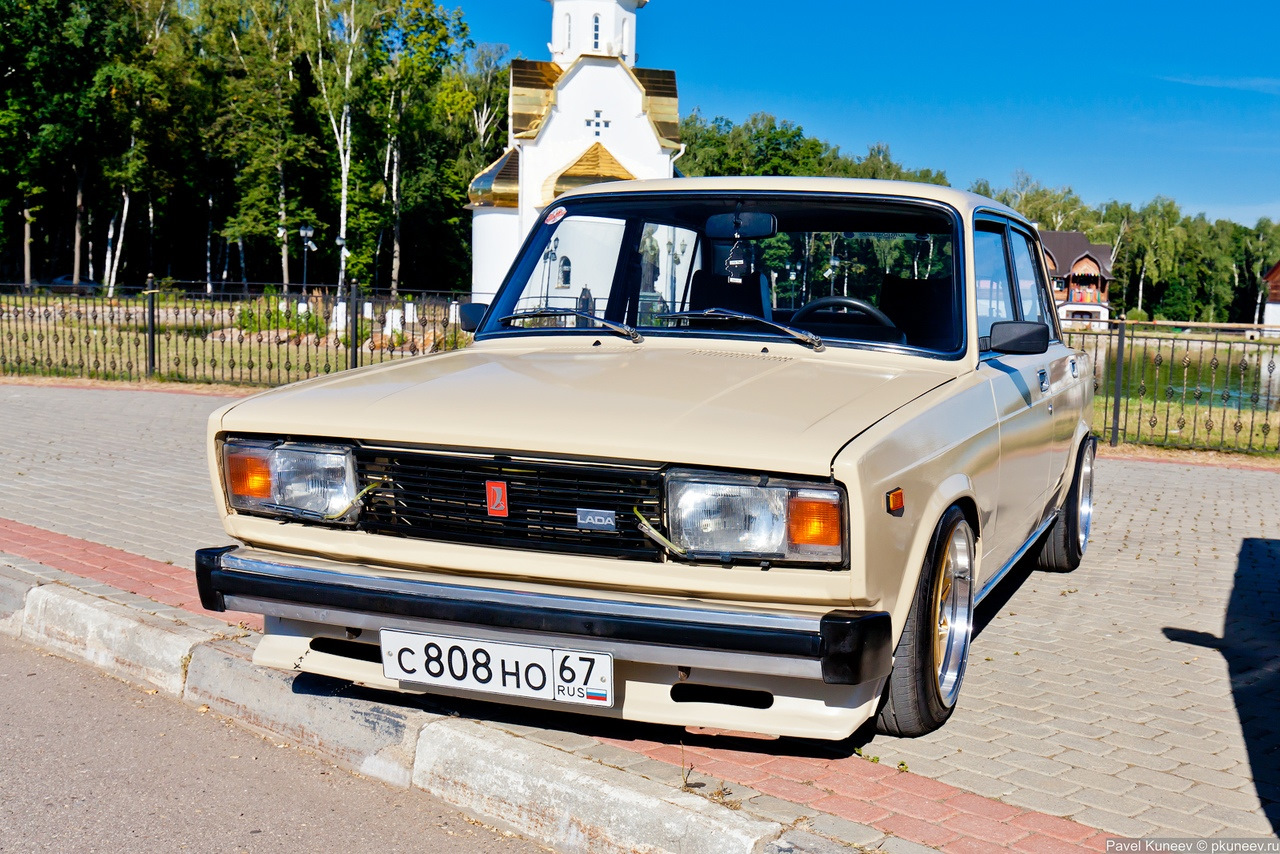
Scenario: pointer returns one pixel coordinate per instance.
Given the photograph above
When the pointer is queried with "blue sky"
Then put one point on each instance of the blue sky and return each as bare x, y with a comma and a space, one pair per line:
1119, 100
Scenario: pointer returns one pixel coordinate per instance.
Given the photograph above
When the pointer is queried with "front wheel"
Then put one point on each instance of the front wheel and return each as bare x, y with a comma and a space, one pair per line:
929, 661
1068, 539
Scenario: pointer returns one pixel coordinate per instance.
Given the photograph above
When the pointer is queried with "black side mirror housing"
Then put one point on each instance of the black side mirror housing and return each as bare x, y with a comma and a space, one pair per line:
470, 314
1019, 337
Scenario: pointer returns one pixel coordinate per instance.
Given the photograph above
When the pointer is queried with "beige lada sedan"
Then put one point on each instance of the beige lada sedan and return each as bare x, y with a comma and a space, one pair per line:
737, 453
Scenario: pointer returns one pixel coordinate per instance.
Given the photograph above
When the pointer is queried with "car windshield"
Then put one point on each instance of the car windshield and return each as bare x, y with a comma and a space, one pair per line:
813, 270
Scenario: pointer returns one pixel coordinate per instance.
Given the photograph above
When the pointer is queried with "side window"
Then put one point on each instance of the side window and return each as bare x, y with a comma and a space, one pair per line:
994, 297
1030, 288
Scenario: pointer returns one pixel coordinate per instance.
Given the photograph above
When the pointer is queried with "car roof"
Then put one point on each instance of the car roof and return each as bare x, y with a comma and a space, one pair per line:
964, 202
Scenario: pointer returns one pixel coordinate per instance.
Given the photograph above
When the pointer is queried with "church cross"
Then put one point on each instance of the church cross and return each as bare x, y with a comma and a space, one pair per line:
597, 122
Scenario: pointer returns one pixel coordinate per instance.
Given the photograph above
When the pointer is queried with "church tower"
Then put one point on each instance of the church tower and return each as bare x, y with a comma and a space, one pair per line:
587, 115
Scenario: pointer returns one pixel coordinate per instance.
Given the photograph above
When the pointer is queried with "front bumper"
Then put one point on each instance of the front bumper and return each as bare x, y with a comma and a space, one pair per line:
840, 647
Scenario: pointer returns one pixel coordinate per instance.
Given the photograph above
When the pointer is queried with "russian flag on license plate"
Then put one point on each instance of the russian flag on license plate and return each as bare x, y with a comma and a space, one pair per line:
597, 696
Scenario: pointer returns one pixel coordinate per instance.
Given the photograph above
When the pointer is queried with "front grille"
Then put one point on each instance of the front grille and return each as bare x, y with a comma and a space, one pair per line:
441, 497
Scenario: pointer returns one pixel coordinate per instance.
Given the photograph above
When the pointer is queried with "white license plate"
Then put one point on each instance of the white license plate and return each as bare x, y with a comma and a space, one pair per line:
517, 670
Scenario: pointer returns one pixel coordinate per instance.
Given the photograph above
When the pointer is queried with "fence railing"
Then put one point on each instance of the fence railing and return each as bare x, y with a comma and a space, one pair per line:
1182, 386
267, 340
1202, 386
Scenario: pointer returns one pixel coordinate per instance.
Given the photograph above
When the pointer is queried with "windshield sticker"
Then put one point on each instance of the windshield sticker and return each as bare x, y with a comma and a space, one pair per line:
555, 216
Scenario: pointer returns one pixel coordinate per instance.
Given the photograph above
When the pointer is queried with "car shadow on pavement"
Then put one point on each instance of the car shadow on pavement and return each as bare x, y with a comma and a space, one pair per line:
1250, 644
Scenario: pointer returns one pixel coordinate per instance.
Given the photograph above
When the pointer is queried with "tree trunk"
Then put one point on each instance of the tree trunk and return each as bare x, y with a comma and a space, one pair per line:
395, 221
244, 272
75, 255
111, 253
208, 247
114, 267
1142, 276
27, 218
284, 241
344, 158
89, 241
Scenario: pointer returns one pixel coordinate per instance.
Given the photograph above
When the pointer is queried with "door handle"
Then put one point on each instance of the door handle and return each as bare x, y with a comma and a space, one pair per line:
1044, 381
1075, 370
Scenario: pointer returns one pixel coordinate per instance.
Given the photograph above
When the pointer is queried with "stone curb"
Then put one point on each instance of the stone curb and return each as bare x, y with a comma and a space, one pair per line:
583, 806
545, 794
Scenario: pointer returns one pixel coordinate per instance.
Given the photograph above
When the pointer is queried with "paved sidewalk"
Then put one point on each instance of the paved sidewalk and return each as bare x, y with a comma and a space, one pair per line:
1135, 695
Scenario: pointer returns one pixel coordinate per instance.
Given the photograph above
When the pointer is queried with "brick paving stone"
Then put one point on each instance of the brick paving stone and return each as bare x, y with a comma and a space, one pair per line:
970, 845
1216, 779
743, 774
905, 803
1155, 779
1098, 782
1039, 844
794, 769
897, 845
984, 807
915, 830
1042, 802
922, 786
1125, 805
1043, 783
1114, 823
981, 784
851, 832
1239, 822
776, 809
1068, 831
854, 787
1240, 799
789, 791
1175, 823
1098, 762
852, 809
997, 832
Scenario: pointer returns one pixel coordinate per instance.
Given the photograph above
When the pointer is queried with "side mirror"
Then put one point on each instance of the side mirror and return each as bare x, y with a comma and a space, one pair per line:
470, 315
1019, 337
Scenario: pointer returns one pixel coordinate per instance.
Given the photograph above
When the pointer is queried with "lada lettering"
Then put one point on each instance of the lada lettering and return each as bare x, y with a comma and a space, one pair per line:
597, 520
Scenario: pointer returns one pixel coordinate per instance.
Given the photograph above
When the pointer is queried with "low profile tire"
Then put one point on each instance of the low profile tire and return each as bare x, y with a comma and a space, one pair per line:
1068, 539
929, 662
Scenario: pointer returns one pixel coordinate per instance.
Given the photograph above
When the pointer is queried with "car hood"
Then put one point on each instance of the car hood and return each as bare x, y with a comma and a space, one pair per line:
651, 402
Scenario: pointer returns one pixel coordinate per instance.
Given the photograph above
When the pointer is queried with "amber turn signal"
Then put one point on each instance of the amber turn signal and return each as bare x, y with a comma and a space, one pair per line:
249, 476
894, 501
813, 523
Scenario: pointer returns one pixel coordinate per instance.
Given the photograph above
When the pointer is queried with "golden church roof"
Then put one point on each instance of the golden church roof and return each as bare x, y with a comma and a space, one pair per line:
533, 93
595, 165
498, 186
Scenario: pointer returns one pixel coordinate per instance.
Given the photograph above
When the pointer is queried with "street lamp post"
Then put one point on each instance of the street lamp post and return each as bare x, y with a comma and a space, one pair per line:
306, 232
676, 258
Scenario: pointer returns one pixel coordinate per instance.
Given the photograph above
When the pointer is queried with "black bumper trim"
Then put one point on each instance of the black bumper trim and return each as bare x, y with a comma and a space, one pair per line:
853, 646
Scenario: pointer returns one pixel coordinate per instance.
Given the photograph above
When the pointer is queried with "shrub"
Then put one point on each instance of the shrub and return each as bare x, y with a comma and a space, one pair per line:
1137, 315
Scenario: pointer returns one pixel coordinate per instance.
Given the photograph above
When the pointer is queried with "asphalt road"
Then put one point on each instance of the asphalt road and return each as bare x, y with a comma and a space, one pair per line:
93, 764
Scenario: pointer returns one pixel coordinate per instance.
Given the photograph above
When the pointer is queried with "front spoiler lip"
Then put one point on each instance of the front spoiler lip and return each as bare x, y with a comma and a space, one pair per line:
852, 646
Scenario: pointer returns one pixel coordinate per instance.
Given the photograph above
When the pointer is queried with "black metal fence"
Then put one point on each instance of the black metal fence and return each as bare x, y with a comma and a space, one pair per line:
1183, 386
1203, 386
270, 339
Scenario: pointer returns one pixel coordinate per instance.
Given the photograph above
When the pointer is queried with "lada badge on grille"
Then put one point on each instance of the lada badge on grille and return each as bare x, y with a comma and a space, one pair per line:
496, 495
597, 520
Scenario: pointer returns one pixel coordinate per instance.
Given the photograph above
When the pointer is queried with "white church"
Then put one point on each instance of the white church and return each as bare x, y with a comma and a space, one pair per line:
587, 115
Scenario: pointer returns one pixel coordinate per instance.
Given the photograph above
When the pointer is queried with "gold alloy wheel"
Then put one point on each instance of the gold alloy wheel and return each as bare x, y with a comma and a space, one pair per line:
953, 611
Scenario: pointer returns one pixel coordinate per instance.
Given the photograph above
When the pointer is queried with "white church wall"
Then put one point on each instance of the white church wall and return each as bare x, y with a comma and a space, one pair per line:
573, 30
496, 235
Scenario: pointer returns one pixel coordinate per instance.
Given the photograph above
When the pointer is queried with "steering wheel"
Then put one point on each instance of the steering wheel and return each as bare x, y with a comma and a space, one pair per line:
866, 308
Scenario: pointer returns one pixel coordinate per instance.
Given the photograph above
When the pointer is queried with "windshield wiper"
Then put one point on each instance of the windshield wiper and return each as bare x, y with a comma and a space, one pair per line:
622, 329
717, 313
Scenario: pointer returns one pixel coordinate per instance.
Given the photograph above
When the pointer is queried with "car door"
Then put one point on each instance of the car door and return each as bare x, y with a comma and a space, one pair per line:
1020, 388
1063, 365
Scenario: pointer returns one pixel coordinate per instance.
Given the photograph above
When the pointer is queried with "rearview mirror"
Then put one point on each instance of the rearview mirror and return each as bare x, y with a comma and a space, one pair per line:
745, 224
1019, 337
470, 315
